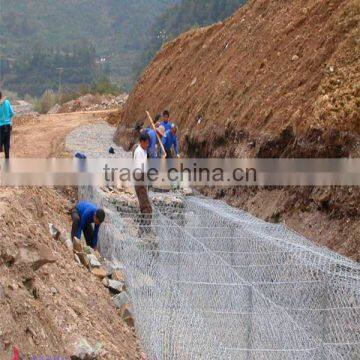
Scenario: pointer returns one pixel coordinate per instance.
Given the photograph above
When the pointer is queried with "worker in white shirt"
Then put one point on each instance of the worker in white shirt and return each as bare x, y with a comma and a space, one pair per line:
140, 156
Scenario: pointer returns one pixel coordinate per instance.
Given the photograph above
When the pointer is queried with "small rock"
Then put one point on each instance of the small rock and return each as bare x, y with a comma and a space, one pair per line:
106, 282
53, 290
78, 246
331, 68
125, 313
118, 276
99, 273
2, 293
77, 259
83, 259
69, 244
54, 232
80, 349
116, 286
295, 58
121, 299
94, 262
112, 266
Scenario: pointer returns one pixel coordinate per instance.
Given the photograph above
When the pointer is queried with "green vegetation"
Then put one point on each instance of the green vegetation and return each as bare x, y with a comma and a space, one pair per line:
181, 17
117, 29
104, 86
49, 98
44, 69
91, 39
46, 102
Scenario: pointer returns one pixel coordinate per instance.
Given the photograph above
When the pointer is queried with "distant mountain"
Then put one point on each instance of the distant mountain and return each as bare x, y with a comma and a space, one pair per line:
118, 29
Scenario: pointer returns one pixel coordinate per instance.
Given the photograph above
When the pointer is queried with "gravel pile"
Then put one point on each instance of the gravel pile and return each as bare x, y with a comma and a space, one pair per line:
91, 102
94, 141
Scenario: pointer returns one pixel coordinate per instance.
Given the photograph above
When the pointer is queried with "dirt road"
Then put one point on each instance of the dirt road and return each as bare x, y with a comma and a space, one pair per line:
44, 137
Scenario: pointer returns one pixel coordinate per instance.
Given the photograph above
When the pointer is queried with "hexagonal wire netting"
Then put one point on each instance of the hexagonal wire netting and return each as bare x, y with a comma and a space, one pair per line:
218, 283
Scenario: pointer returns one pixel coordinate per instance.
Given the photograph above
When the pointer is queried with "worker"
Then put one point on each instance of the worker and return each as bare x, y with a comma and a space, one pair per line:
157, 120
151, 150
166, 120
161, 132
83, 216
170, 142
6, 115
140, 157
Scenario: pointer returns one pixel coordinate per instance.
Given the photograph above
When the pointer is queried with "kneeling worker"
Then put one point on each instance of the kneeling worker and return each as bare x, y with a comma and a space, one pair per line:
83, 216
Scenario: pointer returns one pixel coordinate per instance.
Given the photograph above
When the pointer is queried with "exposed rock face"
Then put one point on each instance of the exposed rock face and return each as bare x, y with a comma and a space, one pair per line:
273, 68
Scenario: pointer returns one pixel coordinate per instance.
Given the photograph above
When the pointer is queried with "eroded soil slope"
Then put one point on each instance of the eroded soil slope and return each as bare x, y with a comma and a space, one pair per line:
278, 79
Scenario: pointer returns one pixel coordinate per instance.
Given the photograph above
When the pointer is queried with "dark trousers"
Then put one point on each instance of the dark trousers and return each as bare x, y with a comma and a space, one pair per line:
5, 134
169, 154
145, 208
88, 229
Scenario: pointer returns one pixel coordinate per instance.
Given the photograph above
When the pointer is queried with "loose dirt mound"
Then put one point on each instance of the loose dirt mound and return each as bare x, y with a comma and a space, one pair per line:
279, 78
91, 102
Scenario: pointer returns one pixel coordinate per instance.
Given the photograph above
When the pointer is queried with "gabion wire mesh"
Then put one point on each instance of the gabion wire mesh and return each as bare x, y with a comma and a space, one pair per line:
222, 284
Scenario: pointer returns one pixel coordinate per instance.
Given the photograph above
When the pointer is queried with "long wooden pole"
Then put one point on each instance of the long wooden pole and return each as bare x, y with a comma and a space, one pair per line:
158, 136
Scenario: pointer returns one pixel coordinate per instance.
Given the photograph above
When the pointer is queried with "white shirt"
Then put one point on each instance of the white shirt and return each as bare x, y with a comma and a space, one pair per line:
140, 156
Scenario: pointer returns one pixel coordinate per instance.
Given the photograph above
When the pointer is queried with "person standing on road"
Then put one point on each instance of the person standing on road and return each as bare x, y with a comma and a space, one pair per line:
140, 157
6, 115
83, 216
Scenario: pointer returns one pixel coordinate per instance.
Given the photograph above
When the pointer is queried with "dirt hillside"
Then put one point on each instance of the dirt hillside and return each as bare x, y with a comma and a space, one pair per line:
48, 302
272, 80
278, 79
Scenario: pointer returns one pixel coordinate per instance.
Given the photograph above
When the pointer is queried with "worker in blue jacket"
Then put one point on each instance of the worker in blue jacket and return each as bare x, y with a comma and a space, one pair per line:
83, 216
166, 120
6, 115
170, 141
152, 149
